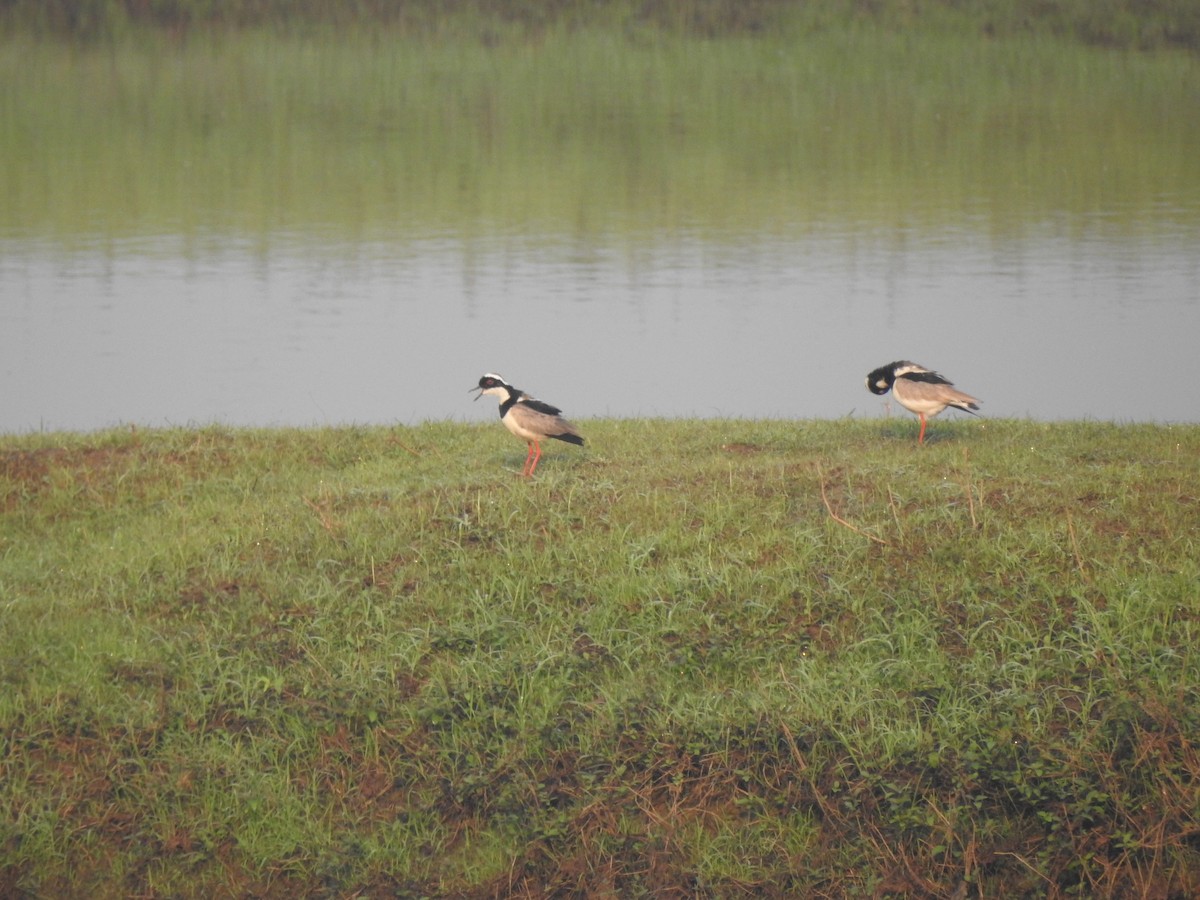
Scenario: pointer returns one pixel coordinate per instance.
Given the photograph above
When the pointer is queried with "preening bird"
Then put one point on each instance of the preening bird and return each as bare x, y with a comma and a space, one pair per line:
529, 419
919, 390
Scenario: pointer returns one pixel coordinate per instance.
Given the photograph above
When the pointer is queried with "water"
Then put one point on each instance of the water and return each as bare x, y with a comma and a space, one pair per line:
1058, 322
252, 228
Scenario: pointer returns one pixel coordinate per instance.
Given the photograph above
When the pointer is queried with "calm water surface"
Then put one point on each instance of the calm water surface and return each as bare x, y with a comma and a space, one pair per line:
1065, 321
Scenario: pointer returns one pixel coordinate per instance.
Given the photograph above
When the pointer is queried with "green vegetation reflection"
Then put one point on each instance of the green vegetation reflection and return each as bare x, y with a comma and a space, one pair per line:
598, 129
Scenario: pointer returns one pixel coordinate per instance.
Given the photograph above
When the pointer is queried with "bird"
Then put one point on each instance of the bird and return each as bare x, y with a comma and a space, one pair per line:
528, 418
919, 390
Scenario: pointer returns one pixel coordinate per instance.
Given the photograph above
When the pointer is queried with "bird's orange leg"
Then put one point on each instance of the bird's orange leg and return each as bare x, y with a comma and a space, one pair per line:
531, 460
921, 436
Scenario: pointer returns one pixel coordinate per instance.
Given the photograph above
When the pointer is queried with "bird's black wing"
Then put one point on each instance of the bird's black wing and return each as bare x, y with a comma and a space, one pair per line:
539, 406
926, 377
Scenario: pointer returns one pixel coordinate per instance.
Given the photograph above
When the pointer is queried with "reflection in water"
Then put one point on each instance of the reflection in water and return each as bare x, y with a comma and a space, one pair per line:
1049, 326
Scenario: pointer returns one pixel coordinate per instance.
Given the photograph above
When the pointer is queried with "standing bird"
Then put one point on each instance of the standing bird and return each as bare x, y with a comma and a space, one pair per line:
527, 418
919, 390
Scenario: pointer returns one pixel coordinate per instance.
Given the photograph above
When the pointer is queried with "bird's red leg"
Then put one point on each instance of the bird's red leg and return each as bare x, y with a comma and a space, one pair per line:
921, 436
536, 450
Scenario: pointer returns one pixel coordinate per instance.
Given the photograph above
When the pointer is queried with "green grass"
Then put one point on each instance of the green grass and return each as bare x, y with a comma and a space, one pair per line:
787, 658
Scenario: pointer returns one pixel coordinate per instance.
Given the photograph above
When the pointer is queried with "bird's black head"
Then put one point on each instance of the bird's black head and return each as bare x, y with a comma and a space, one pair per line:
492, 383
880, 381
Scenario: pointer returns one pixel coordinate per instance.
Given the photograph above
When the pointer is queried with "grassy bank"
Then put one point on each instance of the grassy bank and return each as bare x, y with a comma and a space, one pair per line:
701, 658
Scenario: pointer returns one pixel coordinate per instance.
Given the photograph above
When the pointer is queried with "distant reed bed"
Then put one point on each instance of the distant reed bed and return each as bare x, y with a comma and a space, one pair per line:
566, 131
1144, 24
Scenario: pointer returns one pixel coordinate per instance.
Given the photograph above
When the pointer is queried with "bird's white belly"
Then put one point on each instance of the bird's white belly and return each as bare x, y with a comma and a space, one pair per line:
511, 423
927, 406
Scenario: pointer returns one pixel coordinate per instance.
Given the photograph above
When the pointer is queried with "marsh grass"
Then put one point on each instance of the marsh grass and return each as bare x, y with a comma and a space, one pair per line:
1143, 24
801, 658
596, 131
